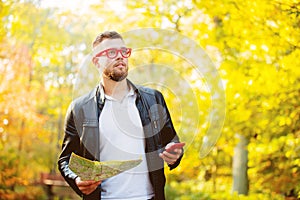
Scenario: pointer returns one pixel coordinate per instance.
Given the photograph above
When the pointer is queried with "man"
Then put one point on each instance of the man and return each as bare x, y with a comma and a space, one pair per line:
119, 121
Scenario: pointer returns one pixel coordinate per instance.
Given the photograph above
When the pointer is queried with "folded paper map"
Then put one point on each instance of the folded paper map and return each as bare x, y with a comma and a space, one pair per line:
95, 170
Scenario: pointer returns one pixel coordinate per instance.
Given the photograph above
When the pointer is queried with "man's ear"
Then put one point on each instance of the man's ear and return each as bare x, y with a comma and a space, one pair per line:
95, 60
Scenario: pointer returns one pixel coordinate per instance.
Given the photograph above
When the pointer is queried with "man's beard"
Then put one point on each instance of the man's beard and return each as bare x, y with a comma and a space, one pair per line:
115, 76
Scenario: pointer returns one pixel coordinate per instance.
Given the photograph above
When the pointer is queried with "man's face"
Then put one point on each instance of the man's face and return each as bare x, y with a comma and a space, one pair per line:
113, 68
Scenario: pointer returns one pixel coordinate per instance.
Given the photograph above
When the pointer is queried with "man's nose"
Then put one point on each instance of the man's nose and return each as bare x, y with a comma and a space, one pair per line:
119, 56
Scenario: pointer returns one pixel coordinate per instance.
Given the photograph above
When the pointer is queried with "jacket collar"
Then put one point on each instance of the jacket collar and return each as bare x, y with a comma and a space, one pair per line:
101, 95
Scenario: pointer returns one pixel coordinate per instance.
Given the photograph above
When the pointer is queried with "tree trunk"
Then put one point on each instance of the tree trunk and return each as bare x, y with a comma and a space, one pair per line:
240, 166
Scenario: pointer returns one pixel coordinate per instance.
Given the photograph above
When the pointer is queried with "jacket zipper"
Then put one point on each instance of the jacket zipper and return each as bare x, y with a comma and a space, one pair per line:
155, 124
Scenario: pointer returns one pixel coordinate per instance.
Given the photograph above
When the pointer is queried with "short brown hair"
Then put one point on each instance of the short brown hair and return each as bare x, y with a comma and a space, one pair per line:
106, 35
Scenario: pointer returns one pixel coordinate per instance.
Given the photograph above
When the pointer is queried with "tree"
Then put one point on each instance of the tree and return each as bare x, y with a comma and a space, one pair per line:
255, 46
35, 81
253, 42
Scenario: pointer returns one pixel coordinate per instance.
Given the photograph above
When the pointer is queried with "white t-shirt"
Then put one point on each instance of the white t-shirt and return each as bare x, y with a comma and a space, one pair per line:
122, 138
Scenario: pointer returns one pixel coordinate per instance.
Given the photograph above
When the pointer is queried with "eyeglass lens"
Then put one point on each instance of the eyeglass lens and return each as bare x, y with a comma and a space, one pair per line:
112, 53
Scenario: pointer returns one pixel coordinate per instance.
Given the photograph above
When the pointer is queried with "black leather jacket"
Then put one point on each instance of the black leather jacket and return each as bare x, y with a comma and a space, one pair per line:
82, 134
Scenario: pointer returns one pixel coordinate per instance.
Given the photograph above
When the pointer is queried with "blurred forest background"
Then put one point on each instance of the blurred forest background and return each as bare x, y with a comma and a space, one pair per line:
255, 46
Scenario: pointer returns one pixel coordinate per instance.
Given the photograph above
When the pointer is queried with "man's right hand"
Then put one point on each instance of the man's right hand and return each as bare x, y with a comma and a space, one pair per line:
87, 187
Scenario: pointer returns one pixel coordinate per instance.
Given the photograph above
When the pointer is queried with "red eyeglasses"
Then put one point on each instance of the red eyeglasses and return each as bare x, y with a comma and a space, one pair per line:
113, 52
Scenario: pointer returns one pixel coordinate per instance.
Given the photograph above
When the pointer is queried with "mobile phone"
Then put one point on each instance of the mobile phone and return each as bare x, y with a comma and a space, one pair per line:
175, 146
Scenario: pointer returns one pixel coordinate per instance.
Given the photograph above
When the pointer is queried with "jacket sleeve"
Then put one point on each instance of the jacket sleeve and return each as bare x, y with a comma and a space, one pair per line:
168, 133
71, 143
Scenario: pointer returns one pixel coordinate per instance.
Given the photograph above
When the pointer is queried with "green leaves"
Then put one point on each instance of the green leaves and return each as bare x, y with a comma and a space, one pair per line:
254, 44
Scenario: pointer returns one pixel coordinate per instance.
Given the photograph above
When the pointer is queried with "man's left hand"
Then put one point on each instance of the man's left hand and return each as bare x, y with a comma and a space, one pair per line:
172, 157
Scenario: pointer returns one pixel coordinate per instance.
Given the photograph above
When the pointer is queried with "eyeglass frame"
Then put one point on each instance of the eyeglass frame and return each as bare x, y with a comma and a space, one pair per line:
105, 52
